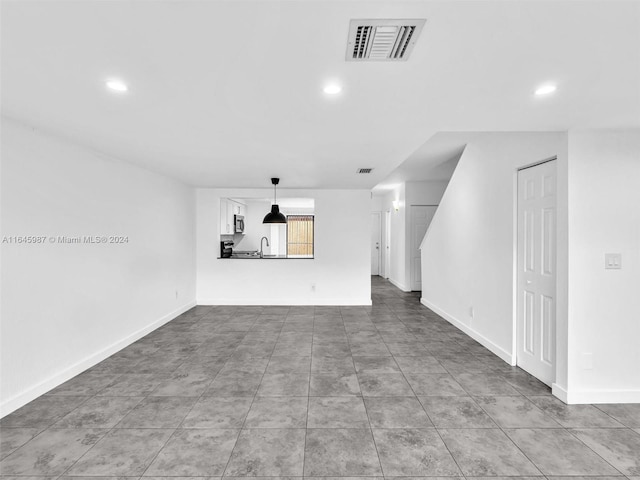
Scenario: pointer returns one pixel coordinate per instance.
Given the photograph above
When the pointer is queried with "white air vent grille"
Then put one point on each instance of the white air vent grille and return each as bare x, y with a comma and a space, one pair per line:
365, 170
382, 40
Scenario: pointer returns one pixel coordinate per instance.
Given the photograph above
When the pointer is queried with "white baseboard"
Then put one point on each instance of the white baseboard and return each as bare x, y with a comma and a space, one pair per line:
17, 401
399, 285
559, 392
573, 397
286, 301
484, 341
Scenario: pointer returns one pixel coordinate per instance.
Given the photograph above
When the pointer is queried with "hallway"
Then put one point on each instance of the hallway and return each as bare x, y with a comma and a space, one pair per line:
389, 390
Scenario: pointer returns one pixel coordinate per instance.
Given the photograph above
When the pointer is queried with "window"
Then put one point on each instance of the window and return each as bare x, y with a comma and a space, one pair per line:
300, 236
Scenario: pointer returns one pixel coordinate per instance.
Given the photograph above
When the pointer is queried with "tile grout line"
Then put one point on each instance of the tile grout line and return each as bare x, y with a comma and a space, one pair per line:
408, 330
475, 402
591, 449
145, 428
427, 414
109, 430
373, 438
224, 471
114, 428
306, 423
498, 427
597, 406
183, 419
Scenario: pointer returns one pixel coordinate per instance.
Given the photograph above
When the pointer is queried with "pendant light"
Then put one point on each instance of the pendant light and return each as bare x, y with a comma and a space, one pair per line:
274, 216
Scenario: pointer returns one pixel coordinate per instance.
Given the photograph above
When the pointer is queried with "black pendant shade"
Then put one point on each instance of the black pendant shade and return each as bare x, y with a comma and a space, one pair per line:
274, 216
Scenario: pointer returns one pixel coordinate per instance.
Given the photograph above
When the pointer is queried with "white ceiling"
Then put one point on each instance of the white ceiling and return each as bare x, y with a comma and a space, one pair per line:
229, 93
287, 202
434, 161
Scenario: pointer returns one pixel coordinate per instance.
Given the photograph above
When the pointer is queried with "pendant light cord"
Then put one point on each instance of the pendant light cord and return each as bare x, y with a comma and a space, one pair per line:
275, 195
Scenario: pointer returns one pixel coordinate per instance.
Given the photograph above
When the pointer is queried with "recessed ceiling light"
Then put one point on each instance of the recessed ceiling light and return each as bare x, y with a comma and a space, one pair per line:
117, 85
546, 89
332, 89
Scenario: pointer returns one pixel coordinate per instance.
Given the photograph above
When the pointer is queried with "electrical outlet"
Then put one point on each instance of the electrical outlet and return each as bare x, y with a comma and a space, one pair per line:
176, 294
313, 287
612, 261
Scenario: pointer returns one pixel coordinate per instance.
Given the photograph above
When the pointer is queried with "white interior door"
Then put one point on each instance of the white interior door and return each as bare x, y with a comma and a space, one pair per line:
376, 238
387, 244
421, 216
536, 282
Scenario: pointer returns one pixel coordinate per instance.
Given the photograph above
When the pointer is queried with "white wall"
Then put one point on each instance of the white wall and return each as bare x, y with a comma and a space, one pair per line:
67, 307
407, 194
418, 193
377, 206
254, 228
376, 203
425, 193
604, 305
340, 271
398, 264
468, 252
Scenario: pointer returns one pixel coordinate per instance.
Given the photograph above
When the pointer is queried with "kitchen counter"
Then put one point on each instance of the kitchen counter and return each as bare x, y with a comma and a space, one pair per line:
266, 257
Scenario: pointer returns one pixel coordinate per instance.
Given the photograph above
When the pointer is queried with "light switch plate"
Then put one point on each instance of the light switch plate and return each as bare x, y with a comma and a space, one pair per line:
612, 261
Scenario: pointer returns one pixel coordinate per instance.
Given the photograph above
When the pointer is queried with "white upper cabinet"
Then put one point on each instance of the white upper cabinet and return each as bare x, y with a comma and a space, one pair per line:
231, 211
225, 225
228, 209
242, 210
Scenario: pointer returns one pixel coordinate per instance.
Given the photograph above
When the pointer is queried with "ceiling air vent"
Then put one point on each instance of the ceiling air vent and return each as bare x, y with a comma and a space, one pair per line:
365, 170
382, 40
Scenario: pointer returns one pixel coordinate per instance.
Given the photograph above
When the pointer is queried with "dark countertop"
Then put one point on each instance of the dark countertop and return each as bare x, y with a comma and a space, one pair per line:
266, 257
258, 257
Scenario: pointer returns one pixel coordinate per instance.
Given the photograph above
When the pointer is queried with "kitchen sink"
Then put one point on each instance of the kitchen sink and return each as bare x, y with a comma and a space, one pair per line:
245, 254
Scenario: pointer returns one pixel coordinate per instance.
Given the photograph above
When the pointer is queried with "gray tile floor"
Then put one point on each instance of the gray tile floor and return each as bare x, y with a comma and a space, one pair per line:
390, 390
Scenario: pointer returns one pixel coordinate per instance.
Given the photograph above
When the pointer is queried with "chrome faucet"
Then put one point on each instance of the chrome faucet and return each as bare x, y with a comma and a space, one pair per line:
261, 252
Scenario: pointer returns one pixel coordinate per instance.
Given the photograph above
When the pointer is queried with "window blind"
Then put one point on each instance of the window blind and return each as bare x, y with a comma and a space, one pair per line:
300, 235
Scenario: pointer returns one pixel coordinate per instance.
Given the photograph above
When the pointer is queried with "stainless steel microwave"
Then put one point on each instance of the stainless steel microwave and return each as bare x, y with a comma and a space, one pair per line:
238, 221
